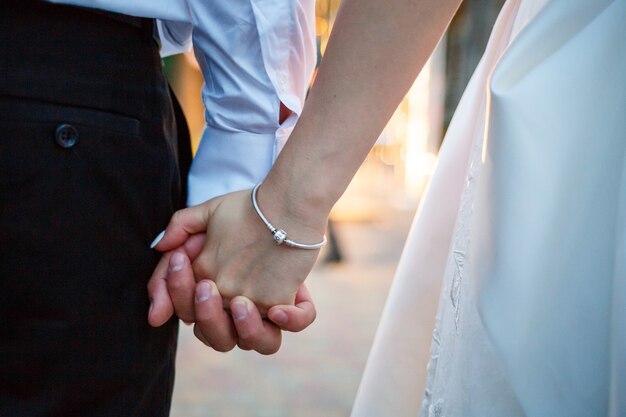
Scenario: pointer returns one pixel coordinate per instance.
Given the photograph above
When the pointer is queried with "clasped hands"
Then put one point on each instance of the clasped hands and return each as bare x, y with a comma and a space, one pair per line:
221, 271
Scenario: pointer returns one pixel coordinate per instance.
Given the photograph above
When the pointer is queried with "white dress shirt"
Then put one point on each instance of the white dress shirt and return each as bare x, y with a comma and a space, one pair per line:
254, 54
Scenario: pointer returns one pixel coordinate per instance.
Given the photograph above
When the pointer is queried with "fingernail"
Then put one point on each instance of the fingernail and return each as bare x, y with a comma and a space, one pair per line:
240, 309
177, 261
279, 316
157, 239
203, 291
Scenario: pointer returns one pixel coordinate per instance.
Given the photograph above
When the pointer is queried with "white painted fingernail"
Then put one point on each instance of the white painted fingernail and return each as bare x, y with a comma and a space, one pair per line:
157, 239
177, 261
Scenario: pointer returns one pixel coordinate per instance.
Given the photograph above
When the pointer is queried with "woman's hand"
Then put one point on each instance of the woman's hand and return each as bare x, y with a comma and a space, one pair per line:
239, 254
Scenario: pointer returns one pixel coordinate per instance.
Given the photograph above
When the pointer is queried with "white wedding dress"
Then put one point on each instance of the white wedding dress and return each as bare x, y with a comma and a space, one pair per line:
525, 222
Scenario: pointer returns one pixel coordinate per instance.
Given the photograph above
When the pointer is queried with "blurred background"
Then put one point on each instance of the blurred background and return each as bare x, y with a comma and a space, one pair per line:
317, 372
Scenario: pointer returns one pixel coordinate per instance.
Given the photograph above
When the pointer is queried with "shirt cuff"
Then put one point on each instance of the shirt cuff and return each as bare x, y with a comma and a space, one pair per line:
228, 161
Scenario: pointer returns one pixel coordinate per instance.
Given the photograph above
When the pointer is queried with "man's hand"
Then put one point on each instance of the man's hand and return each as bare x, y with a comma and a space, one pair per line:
172, 288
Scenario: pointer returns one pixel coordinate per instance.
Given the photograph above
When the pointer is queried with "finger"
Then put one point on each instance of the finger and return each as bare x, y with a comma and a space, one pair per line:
213, 325
181, 286
161, 307
254, 332
183, 224
294, 318
193, 246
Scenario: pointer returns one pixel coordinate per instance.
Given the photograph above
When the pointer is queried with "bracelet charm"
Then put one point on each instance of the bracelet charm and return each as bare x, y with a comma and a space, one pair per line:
279, 235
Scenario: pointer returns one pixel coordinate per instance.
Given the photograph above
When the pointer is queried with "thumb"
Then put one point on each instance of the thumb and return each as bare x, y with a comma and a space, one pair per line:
183, 224
294, 318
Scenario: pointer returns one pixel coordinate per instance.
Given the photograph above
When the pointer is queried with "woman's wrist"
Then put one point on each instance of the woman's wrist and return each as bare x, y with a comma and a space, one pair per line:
303, 216
280, 235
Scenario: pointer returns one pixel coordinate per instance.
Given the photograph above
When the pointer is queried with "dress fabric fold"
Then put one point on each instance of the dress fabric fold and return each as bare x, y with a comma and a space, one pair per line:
522, 227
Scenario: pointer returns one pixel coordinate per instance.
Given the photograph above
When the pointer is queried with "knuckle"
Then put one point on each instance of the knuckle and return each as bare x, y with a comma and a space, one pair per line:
244, 346
198, 333
177, 218
151, 286
269, 350
177, 285
214, 335
185, 316
248, 335
223, 346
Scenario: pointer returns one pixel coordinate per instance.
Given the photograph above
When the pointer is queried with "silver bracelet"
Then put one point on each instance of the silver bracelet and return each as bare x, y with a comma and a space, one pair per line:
280, 236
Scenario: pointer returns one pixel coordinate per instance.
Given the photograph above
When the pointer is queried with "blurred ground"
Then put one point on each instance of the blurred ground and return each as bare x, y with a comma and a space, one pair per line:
317, 372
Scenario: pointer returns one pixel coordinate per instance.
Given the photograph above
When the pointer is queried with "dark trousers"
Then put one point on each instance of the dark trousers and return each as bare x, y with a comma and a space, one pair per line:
88, 177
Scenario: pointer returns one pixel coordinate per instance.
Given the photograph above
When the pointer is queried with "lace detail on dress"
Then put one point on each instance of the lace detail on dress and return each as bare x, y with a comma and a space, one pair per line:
461, 239
454, 284
455, 288
436, 410
461, 236
430, 370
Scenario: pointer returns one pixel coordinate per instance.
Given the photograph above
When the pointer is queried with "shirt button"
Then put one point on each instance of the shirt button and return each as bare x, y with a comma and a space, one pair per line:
66, 136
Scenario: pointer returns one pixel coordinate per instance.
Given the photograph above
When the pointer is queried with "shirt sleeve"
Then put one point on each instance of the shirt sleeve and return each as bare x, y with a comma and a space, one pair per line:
175, 36
254, 54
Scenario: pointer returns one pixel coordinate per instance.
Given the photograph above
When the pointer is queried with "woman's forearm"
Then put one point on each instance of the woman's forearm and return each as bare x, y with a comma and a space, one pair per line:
375, 52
